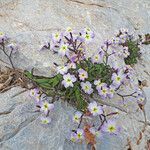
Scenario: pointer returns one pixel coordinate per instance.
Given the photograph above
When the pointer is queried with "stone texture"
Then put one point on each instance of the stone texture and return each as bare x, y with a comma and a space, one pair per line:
30, 22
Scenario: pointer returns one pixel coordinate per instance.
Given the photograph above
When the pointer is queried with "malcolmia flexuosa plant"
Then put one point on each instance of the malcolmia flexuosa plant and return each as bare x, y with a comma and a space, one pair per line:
89, 84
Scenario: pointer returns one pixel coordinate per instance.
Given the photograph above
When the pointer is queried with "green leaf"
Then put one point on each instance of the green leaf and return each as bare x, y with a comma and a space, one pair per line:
134, 52
81, 103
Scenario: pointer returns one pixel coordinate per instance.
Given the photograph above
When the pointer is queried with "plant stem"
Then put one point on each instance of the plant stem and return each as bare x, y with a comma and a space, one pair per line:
9, 56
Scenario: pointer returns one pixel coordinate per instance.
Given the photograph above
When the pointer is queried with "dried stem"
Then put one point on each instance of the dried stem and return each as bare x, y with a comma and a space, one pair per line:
9, 56
110, 104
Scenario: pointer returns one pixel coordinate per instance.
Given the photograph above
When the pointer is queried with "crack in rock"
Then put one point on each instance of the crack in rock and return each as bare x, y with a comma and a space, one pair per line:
10, 110
17, 130
104, 6
89, 4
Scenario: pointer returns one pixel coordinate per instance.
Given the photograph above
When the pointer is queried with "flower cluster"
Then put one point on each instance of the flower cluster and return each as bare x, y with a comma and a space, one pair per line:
106, 124
42, 103
80, 80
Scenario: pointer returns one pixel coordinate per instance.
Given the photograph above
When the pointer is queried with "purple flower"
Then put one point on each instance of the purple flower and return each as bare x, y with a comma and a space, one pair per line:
116, 40
95, 109
87, 35
87, 30
63, 50
45, 120
56, 37
46, 107
80, 134
12, 47
111, 91
123, 38
39, 98
77, 117
73, 137
68, 80
3, 37
82, 74
34, 92
77, 136
87, 87
103, 91
96, 58
117, 78
111, 127
99, 84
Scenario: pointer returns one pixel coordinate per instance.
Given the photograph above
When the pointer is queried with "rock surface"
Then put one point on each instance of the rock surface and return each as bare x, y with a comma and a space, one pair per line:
29, 22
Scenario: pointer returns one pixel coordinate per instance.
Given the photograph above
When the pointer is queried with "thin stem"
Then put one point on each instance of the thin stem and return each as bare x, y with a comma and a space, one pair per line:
102, 121
9, 56
110, 104
128, 95
80, 121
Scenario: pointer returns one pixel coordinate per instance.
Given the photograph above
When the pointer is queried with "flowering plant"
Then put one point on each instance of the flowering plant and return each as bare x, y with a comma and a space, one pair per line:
88, 83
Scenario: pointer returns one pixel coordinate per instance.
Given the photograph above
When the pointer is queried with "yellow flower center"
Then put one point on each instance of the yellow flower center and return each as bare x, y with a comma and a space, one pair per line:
76, 118
83, 75
104, 91
56, 35
96, 57
45, 121
112, 91
69, 29
118, 78
64, 48
111, 129
79, 135
73, 139
95, 109
68, 80
1, 33
46, 106
86, 87
87, 36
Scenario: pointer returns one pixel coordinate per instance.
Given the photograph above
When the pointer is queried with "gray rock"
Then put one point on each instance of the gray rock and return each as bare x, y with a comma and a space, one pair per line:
29, 22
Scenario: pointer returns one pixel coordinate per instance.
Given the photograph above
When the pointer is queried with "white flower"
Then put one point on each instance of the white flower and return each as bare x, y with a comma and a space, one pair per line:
87, 87
77, 116
68, 80
45, 107
80, 134
62, 69
94, 109
96, 58
45, 120
82, 74
56, 37
63, 49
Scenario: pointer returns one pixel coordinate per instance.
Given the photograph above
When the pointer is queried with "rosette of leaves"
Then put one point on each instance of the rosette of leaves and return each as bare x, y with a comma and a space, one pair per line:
134, 50
74, 95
